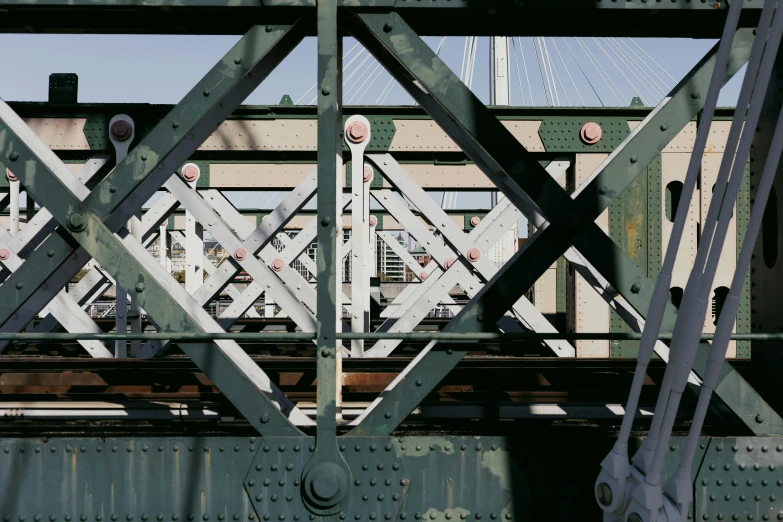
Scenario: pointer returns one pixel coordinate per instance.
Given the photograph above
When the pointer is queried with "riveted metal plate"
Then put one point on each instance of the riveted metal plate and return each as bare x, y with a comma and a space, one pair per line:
741, 479
204, 170
96, 128
379, 479
561, 134
125, 479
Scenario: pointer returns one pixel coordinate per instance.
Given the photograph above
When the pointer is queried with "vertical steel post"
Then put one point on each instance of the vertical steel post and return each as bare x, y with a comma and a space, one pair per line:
327, 471
499, 83
165, 244
194, 253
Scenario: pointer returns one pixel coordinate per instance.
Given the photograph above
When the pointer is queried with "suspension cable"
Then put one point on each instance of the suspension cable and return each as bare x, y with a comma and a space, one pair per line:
569, 73
601, 71
633, 87
584, 73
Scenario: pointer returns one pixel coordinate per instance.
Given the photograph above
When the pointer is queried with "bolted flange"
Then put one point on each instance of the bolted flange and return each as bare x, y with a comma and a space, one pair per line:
190, 172
373, 221
473, 255
278, 265
590, 133
449, 263
10, 175
121, 130
325, 485
4, 254
474, 221
423, 276
368, 173
240, 254
357, 132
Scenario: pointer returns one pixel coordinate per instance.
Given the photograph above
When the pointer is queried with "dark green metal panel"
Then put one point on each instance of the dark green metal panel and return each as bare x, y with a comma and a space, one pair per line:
63, 88
562, 134
740, 479
654, 219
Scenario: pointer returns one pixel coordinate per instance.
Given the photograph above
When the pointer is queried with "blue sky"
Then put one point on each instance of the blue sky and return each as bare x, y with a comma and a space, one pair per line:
161, 69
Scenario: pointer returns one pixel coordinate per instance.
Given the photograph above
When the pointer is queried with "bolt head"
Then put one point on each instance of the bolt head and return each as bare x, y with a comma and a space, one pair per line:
76, 222
10, 175
139, 287
449, 263
368, 173
240, 254
190, 172
387, 27
474, 221
4, 254
423, 276
636, 288
591, 133
278, 265
357, 132
121, 130
373, 221
473, 255
603, 493
324, 485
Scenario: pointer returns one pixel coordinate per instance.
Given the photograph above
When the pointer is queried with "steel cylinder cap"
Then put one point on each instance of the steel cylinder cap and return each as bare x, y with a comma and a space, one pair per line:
357, 132
240, 254
423, 276
278, 265
373, 221
121, 130
473, 255
449, 263
10, 175
368, 173
474, 221
591, 133
4, 254
190, 172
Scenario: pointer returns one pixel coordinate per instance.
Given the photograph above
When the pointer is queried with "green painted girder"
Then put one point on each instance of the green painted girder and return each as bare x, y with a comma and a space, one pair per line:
683, 18
90, 223
522, 179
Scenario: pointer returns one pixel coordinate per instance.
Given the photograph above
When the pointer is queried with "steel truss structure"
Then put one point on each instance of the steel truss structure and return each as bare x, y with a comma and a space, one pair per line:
387, 459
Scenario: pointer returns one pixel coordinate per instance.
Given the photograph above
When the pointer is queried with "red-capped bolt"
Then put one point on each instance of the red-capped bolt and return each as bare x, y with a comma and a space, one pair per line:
4, 254
368, 173
591, 133
373, 221
278, 265
474, 221
240, 254
121, 130
473, 255
190, 172
423, 276
10, 175
357, 132
449, 262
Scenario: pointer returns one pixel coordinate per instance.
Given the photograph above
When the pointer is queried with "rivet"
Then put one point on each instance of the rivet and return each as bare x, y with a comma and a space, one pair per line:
635, 288
326, 90
13, 156
633, 159
387, 27
326, 353
388, 447
387, 415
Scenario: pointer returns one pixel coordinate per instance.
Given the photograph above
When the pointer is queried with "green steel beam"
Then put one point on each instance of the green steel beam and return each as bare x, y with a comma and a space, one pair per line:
105, 209
684, 18
327, 470
521, 178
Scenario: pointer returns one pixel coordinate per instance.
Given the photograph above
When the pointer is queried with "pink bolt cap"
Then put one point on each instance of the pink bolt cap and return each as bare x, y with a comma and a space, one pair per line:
4, 254
474, 221
473, 255
423, 276
10, 175
240, 254
278, 265
591, 133
191, 172
449, 262
357, 132
368, 173
373, 221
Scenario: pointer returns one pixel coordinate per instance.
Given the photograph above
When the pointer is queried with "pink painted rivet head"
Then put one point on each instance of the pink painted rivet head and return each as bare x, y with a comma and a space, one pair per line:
591, 133
473, 255
4, 254
474, 221
368, 173
165, 222
449, 263
278, 265
423, 276
373, 221
10, 175
357, 132
240, 254
190, 172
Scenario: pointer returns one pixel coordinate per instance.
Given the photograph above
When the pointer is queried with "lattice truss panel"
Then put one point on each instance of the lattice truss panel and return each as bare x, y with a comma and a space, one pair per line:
90, 218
